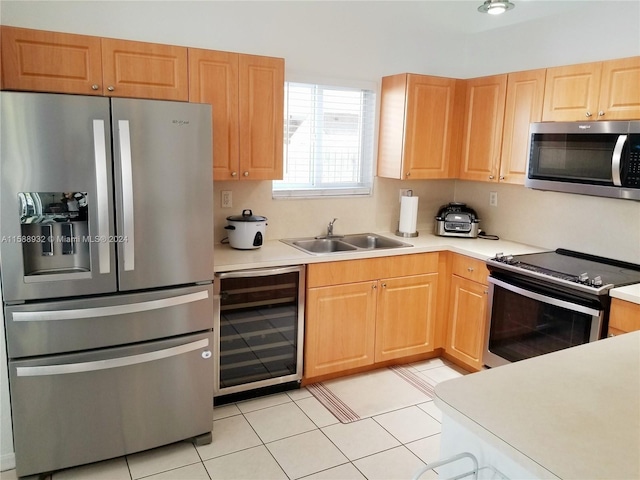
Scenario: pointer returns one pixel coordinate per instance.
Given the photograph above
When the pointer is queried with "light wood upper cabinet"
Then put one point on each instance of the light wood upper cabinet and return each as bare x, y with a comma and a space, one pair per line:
525, 93
482, 128
620, 89
593, 91
247, 95
213, 79
144, 70
261, 103
41, 61
418, 120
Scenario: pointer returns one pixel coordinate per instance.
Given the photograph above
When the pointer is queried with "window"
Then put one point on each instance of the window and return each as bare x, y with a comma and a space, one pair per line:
328, 141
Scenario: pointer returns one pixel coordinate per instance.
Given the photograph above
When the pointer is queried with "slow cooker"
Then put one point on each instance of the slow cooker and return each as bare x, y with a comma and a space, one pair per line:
246, 231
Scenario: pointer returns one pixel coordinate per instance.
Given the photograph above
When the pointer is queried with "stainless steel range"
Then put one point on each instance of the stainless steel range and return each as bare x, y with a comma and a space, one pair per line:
548, 301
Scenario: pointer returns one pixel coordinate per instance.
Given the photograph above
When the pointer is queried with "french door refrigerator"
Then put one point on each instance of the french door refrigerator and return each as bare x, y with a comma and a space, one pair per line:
106, 219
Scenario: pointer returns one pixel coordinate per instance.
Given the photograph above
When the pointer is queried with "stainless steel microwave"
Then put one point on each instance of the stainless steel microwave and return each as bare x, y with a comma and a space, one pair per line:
590, 158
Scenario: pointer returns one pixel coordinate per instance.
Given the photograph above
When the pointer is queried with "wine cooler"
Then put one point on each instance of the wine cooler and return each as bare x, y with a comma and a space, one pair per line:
259, 328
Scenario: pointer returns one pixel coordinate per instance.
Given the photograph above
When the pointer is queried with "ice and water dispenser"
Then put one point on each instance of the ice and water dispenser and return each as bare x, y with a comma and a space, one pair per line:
54, 232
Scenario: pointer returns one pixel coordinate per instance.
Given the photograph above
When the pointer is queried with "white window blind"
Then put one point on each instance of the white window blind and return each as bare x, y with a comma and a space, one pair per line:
328, 141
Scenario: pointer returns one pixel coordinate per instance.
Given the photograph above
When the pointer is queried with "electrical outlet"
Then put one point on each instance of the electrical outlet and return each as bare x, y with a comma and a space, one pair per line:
493, 199
227, 199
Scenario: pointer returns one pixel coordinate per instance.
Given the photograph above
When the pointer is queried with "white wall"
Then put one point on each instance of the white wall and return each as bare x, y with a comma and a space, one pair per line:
361, 40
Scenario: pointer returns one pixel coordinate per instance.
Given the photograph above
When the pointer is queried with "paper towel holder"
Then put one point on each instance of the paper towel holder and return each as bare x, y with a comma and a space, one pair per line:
406, 234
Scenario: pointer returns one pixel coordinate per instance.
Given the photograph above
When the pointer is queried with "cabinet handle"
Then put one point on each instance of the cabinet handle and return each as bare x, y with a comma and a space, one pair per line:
491, 177
469, 269
601, 113
486, 292
245, 174
588, 114
374, 286
95, 87
234, 174
111, 88
384, 285
502, 177
408, 174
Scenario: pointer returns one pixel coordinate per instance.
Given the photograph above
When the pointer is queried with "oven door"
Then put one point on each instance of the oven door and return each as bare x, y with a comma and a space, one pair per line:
524, 323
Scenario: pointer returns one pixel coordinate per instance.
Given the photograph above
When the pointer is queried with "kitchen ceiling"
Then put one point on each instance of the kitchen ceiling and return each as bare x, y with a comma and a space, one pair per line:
462, 16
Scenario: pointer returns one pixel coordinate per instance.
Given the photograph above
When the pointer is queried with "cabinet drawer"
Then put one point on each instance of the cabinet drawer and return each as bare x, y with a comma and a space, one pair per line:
471, 268
351, 271
625, 316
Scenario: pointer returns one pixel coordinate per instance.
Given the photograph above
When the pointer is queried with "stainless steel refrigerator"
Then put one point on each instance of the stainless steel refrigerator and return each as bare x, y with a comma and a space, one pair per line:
106, 219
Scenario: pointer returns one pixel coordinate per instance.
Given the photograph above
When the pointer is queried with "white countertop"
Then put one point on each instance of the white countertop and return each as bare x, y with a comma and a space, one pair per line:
274, 253
630, 293
574, 413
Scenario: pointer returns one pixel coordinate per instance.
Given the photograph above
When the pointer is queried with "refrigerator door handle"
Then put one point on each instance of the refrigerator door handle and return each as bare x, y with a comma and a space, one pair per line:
102, 195
82, 367
127, 194
79, 313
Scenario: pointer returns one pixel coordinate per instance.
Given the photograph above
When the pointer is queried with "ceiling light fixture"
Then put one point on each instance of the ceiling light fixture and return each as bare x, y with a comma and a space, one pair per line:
495, 7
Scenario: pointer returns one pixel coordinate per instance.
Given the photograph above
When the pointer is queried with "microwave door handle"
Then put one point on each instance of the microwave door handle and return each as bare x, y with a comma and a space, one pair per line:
127, 195
102, 195
616, 159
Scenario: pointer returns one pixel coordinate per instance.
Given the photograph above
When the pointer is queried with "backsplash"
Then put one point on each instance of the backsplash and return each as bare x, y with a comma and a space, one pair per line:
309, 217
595, 225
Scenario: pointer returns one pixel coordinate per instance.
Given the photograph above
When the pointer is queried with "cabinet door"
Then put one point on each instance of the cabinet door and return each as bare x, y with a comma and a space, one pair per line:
624, 317
406, 316
340, 328
525, 92
465, 336
213, 79
429, 127
393, 98
571, 93
261, 90
620, 90
40, 61
482, 133
145, 70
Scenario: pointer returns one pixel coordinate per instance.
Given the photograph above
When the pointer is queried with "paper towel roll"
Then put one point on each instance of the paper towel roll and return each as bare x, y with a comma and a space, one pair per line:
408, 215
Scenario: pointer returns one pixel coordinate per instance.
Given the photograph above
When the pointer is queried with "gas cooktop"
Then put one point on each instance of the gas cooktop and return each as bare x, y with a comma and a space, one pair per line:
577, 270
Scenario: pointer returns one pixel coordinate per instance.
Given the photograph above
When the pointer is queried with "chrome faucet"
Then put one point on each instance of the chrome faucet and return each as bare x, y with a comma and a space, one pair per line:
330, 228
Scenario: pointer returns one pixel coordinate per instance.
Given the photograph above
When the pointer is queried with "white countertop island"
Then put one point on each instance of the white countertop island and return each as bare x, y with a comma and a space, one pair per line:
571, 414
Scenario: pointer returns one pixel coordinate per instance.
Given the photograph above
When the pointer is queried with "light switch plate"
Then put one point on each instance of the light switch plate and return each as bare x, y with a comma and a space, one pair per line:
493, 199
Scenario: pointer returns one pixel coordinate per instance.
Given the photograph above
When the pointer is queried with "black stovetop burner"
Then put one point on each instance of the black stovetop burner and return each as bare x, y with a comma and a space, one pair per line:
597, 274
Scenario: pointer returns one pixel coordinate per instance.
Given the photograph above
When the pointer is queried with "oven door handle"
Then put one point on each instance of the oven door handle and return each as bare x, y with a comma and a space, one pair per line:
545, 299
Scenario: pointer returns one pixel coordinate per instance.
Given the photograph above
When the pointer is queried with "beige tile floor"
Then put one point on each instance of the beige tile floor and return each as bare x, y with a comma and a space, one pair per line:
288, 436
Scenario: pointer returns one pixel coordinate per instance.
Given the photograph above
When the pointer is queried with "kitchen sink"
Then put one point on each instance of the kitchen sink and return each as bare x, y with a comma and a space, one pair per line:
323, 245
344, 243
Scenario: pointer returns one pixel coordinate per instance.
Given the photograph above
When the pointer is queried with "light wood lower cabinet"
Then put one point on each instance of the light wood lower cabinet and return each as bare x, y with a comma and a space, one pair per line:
467, 311
356, 316
624, 317
340, 328
405, 319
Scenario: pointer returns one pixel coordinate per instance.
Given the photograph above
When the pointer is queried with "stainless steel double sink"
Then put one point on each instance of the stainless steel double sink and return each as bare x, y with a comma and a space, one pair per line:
344, 243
